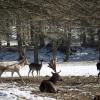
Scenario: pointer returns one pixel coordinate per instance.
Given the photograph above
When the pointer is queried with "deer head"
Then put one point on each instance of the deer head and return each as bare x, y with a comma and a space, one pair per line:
41, 60
24, 61
55, 77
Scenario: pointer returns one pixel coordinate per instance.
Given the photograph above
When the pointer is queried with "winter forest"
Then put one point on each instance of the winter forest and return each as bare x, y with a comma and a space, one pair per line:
49, 49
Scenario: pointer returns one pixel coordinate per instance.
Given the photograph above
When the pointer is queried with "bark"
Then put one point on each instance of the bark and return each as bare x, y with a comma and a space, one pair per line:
8, 40
36, 58
35, 42
54, 50
22, 53
55, 45
22, 50
98, 33
68, 46
0, 44
42, 43
84, 42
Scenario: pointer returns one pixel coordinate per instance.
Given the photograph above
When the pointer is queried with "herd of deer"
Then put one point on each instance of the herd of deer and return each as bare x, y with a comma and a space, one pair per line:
46, 85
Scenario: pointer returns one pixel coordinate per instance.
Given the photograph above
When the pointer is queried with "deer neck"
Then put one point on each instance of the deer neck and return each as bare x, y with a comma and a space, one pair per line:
52, 80
22, 63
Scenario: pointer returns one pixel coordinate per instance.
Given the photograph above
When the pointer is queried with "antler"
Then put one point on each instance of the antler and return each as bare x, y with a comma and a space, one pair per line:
52, 65
59, 72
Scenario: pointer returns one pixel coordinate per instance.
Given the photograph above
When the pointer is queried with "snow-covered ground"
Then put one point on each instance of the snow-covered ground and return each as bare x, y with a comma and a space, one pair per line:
12, 92
67, 69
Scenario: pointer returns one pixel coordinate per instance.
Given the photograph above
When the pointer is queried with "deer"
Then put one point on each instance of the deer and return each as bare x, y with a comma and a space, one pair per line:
14, 68
35, 67
49, 85
98, 68
52, 64
2, 69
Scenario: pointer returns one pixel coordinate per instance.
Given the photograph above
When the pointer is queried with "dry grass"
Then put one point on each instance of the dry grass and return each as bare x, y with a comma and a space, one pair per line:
72, 87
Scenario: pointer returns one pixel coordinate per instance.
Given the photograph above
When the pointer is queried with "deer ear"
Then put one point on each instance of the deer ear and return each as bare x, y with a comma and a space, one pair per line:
52, 73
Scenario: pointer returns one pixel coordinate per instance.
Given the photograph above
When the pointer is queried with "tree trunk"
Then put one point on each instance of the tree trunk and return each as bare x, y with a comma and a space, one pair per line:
8, 40
84, 42
35, 42
42, 43
22, 53
0, 44
22, 50
36, 58
92, 40
68, 47
54, 50
98, 33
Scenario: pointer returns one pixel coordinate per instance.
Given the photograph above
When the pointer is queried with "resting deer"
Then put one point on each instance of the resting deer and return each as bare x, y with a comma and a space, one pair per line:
35, 67
49, 85
52, 64
14, 68
98, 68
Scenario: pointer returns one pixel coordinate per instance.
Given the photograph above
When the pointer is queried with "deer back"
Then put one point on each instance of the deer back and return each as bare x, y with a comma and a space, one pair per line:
47, 86
35, 66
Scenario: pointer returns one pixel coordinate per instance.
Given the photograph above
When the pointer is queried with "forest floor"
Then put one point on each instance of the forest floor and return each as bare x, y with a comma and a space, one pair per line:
72, 87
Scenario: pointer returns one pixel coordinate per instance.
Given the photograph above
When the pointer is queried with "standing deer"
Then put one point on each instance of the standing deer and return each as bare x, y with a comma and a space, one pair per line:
49, 85
98, 68
35, 67
2, 69
14, 68
52, 64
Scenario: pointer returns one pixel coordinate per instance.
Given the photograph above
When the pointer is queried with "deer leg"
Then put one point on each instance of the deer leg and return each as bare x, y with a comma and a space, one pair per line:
29, 72
1, 72
32, 73
39, 73
12, 74
98, 76
20, 76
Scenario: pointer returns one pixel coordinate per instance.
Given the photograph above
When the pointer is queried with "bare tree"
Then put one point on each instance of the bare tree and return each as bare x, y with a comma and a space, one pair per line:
35, 39
68, 43
22, 48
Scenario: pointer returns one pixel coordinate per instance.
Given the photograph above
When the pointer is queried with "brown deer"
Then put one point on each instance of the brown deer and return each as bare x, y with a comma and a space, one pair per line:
35, 67
52, 64
2, 69
49, 85
14, 68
